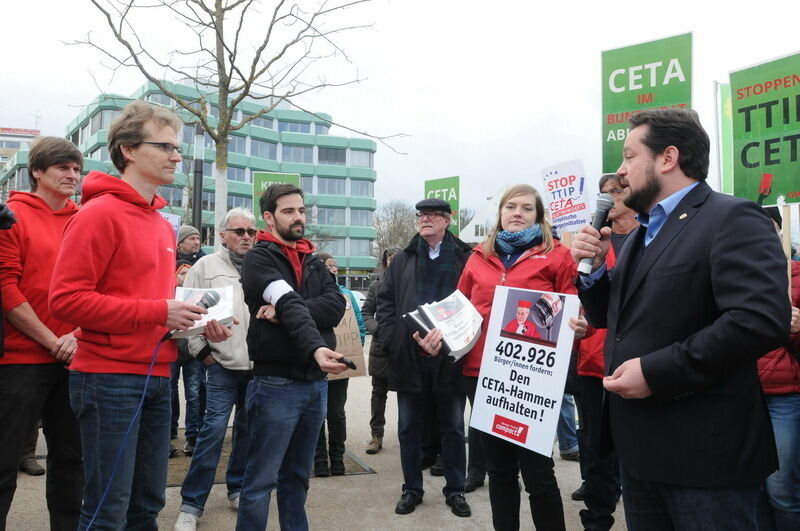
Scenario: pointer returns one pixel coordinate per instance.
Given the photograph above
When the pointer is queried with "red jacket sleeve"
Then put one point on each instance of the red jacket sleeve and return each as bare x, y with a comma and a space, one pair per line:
11, 268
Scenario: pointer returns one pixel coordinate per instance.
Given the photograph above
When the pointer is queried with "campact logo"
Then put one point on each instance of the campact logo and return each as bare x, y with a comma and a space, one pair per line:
510, 428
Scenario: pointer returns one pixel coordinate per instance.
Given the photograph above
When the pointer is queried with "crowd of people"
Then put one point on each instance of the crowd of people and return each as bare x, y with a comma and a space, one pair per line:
685, 370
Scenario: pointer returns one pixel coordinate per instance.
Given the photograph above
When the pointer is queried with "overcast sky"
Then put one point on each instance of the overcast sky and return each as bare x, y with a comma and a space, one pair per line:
490, 91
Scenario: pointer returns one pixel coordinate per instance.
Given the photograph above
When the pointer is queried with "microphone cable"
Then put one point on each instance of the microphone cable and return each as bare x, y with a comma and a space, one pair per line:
121, 451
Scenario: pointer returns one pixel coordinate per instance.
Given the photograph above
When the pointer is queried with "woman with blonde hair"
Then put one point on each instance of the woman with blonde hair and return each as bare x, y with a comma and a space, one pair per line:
521, 252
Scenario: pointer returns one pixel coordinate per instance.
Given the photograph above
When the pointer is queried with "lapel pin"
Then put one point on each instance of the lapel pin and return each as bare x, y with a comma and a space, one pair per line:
682, 216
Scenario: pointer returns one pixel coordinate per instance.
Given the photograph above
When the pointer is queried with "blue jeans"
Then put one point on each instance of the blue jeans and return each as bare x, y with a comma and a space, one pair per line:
224, 389
104, 405
783, 486
652, 506
193, 376
284, 418
565, 430
450, 409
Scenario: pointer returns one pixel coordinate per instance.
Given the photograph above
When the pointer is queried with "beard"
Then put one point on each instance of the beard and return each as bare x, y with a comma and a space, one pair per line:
641, 200
292, 233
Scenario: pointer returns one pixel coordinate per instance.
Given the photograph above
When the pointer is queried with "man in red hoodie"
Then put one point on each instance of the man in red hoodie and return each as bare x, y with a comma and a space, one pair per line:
33, 377
114, 278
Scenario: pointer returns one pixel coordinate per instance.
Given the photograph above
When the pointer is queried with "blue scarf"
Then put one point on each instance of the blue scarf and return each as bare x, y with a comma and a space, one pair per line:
510, 242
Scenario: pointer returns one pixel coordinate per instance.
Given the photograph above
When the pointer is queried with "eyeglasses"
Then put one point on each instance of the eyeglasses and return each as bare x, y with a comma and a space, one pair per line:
615, 191
166, 146
241, 232
430, 215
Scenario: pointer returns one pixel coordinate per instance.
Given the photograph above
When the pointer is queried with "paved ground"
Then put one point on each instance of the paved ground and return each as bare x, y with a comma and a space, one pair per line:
359, 502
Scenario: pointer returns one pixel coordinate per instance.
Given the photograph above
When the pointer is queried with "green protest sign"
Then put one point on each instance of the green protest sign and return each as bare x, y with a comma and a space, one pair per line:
261, 181
447, 189
650, 75
725, 137
766, 131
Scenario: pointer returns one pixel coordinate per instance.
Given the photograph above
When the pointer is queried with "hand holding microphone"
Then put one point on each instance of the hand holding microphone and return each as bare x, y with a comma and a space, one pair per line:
590, 246
181, 315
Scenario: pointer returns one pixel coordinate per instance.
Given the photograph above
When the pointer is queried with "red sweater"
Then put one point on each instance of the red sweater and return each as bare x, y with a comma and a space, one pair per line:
28, 254
113, 276
554, 271
778, 370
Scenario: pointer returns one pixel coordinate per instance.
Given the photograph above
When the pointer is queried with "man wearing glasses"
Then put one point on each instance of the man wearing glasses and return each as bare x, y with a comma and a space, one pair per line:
114, 278
427, 270
227, 373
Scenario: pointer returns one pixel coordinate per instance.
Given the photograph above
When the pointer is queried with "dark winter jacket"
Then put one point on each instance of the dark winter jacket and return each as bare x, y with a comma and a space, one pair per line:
397, 296
378, 357
191, 258
306, 315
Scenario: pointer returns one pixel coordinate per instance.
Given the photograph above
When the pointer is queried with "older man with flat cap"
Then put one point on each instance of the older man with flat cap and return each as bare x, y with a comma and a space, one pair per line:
427, 270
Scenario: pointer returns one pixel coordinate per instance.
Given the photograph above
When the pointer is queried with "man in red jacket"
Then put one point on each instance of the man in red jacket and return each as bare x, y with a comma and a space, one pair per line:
114, 278
33, 377
779, 372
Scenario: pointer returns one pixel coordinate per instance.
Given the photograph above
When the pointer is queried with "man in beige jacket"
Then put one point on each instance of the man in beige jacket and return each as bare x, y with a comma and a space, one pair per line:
227, 373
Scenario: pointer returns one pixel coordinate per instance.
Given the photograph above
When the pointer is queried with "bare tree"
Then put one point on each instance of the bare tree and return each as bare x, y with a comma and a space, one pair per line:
395, 224
465, 215
231, 50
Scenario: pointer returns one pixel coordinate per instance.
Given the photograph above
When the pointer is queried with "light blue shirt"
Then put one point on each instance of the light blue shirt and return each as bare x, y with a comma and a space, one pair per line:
653, 221
433, 252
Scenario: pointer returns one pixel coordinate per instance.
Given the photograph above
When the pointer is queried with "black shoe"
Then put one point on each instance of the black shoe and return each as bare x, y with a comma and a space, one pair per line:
337, 467
172, 450
472, 484
408, 502
459, 505
321, 469
580, 493
436, 468
188, 448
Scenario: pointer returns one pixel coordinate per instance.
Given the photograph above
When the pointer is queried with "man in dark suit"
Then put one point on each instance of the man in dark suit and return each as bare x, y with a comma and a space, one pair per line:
698, 294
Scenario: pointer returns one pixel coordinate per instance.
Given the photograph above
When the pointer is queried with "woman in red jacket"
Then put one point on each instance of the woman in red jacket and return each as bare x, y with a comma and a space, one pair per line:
519, 252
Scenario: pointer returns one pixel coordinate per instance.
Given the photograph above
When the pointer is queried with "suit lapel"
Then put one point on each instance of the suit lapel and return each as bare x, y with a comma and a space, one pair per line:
676, 222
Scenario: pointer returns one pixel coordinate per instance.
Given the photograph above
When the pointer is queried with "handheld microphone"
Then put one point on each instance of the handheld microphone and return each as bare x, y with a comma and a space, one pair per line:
209, 299
604, 204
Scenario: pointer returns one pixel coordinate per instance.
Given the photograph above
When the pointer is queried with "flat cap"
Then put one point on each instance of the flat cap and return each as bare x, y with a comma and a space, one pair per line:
433, 204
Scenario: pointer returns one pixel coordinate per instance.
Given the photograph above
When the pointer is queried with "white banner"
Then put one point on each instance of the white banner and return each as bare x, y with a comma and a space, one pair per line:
524, 367
565, 195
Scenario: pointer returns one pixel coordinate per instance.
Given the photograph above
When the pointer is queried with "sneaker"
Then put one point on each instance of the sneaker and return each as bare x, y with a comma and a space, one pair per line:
437, 469
337, 467
459, 505
30, 466
580, 493
188, 448
375, 445
408, 502
172, 450
233, 503
186, 522
571, 456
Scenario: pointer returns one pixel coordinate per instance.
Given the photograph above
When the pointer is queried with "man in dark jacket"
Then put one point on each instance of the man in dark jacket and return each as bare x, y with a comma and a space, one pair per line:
289, 341
378, 359
426, 271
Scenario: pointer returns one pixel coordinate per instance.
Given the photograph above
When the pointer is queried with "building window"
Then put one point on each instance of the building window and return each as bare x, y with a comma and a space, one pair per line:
208, 200
294, 127
322, 129
330, 186
188, 168
240, 201
297, 154
263, 149
238, 174
237, 144
160, 99
360, 247
261, 121
361, 218
362, 188
173, 196
361, 158
332, 156
213, 110
10, 144
207, 235
237, 115
334, 246
307, 184
330, 216
100, 153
